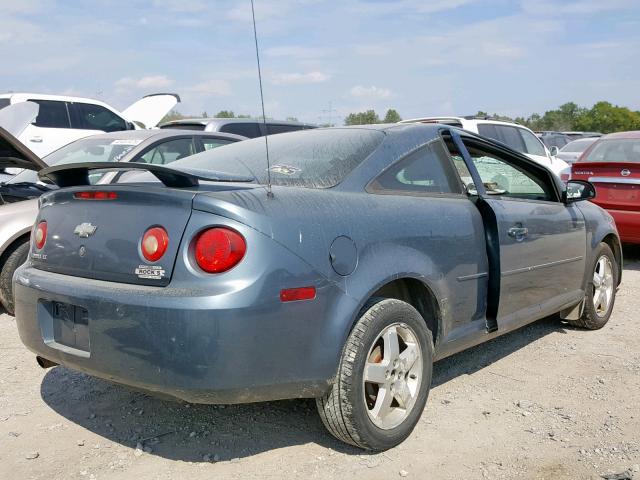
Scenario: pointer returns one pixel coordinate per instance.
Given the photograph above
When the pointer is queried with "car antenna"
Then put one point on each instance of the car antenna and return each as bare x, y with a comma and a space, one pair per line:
264, 118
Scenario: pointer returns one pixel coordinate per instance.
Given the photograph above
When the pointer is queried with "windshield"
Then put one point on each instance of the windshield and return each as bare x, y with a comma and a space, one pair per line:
615, 150
577, 146
84, 150
307, 158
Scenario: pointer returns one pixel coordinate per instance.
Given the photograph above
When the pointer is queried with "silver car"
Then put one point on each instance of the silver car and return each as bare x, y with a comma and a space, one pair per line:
572, 150
19, 212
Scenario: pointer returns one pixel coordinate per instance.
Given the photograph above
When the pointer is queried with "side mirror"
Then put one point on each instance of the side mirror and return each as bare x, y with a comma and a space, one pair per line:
578, 190
554, 151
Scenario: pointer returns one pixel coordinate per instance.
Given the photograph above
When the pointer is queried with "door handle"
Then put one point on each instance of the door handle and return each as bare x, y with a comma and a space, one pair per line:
36, 139
518, 233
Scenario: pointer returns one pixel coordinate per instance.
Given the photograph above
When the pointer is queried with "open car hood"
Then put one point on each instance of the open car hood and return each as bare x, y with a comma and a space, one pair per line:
149, 110
15, 118
13, 154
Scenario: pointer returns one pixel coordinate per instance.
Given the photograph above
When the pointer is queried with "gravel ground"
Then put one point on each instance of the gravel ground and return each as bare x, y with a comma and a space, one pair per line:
545, 402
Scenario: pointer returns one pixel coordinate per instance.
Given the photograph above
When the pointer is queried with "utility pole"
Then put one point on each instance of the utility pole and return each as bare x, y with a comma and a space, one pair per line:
329, 113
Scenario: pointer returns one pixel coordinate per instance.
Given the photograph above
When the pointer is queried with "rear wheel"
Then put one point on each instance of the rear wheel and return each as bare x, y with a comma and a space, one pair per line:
16, 258
601, 291
383, 379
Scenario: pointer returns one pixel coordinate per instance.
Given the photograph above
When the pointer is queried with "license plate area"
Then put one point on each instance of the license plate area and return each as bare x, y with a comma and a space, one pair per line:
65, 327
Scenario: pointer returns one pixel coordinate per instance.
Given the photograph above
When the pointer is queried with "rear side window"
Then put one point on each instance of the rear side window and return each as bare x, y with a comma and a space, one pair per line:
533, 145
52, 114
504, 134
615, 150
211, 143
86, 116
425, 170
185, 126
272, 129
170, 151
4, 102
250, 129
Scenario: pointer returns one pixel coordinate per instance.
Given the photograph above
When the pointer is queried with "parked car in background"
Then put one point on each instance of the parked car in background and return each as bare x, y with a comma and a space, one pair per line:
571, 152
368, 259
247, 127
577, 135
553, 139
157, 147
515, 136
63, 119
612, 164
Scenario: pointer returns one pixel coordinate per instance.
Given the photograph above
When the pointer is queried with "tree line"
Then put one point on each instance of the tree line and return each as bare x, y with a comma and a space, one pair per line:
602, 117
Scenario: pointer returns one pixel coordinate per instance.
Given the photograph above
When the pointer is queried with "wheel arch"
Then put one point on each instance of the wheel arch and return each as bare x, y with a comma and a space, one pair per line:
613, 241
9, 246
410, 289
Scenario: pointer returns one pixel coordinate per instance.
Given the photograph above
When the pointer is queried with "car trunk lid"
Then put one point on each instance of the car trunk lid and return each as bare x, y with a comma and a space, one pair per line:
100, 239
617, 183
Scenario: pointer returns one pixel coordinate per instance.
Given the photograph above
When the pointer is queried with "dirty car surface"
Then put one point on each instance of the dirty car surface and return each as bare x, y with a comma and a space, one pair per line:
379, 250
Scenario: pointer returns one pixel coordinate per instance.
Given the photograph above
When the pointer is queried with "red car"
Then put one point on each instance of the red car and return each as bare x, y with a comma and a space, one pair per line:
612, 164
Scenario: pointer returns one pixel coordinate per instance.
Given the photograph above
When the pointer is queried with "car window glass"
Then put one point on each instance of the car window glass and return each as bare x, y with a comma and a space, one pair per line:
52, 114
505, 179
532, 144
249, 129
86, 116
426, 170
272, 129
511, 137
170, 151
615, 150
4, 102
211, 143
306, 158
90, 149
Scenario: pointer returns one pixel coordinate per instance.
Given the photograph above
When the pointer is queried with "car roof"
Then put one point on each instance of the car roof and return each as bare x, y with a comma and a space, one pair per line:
462, 120
221, 120
158, 134
634, 134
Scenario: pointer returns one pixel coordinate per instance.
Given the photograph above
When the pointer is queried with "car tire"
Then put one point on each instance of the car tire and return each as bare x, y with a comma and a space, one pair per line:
350, 409
16, 258
602, 282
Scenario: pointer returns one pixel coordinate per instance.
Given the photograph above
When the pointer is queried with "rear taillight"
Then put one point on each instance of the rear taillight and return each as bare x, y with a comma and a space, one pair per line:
95, 195
154, 243
40, 235
219, 249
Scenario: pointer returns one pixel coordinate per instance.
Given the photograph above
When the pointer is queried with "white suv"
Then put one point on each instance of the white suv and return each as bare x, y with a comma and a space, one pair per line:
515, 136
62, 120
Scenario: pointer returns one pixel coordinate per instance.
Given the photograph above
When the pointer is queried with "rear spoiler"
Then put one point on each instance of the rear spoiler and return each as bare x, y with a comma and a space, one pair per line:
77, 174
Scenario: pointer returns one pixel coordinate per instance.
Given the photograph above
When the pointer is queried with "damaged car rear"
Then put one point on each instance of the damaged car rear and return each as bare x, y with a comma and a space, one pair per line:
339, 272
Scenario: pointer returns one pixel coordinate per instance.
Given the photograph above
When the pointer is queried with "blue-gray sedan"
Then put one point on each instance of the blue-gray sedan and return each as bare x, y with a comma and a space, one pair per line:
376, 251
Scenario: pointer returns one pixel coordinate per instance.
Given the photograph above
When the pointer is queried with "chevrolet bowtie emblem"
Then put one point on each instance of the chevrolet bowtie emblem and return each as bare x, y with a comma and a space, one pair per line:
85, 230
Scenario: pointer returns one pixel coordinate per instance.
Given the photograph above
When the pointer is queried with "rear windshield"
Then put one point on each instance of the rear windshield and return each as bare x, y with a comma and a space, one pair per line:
615, 150
4, 102
307, 158
577, 146
85, 150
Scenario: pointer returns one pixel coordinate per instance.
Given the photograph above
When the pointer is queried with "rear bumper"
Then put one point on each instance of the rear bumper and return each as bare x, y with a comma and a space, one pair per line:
628, 224
178, 342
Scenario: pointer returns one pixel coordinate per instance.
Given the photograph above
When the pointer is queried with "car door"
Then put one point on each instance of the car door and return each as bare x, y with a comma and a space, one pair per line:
539, 243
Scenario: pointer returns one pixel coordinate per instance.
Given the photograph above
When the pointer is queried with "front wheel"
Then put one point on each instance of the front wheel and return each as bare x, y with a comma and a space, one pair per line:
383, 379
601, 291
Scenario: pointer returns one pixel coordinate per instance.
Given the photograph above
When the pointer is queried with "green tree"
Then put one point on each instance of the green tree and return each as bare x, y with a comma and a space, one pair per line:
362, 118
225, 114
392, 116
204, 114
172, 115
606, 118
